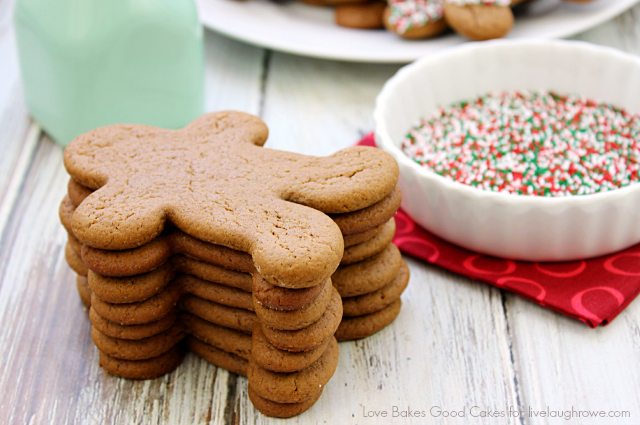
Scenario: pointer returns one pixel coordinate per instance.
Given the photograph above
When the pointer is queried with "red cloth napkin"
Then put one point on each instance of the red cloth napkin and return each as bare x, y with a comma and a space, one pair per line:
593, 291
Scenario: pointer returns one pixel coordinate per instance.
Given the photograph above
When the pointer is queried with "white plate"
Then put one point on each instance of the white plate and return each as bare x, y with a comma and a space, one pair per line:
309, 31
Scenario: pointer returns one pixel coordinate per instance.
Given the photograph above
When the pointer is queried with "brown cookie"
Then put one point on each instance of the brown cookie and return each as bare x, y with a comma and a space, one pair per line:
140, 349
141, 287
83, 290
366, 218
281, 410
212, 272
373, 246
312, 336
479, 21
217, 357
227, 258
291, 320
218, 314
415, 20
157, 252
65, 213
361, 16
377, 300
222, 338
418, 32
75, 244
211, 291
269, 357
118, 290
129, 262
146, 311
74, 261
363, 326
368, 275
331, 2
143, 369
356, 238
294, 387
278, 298
215, 182
116, 330
76, 192
115, 263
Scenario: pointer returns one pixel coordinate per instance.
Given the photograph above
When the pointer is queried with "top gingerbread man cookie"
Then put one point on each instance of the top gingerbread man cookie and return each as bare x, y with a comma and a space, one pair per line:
214, 181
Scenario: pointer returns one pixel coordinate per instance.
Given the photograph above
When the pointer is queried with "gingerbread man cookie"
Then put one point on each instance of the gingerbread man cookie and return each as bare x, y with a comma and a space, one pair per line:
214, 181
199, 238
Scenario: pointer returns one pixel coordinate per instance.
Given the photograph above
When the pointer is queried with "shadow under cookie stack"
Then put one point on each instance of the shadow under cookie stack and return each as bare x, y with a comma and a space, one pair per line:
201, 240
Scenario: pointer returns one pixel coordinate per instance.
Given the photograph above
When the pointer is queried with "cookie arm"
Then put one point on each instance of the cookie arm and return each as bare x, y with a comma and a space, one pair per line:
296, 246
291, 245
93, 156
111, 218
348, 180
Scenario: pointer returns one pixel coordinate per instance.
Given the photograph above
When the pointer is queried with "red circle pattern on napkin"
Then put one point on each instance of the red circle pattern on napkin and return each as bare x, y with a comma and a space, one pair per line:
594, 291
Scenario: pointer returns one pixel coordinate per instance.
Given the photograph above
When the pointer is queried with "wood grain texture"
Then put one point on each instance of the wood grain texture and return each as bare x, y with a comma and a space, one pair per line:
18, 135
233, 74
456, 344
563, 365
315, 106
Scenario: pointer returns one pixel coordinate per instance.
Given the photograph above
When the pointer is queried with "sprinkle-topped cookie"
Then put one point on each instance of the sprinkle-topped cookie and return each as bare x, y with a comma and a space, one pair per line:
530, 143
501, 3
407, 14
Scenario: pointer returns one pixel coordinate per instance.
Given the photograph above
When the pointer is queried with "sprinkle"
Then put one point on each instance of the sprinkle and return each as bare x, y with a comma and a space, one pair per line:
530, 143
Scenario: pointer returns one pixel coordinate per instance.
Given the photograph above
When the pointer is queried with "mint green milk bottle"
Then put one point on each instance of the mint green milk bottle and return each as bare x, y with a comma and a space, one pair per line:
88, 63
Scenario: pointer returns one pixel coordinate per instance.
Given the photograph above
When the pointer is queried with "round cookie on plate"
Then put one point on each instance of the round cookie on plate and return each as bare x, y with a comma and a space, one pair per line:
479, 19
415, 19
332, 3
361, 16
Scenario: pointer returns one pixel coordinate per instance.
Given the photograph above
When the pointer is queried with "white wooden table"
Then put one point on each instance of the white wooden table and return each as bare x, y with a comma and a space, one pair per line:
456, 344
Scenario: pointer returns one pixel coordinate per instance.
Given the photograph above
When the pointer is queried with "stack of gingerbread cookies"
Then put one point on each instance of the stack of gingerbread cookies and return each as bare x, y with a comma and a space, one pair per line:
201, 239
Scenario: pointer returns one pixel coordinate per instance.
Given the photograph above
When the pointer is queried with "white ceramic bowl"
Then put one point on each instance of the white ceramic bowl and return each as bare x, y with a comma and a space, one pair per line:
505, 225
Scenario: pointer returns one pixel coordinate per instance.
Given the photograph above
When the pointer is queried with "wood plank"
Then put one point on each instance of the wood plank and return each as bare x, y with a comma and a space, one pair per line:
450, 343
623, 32
561, 363
316, 107
15, 165
50, 370
233, 74
19, 135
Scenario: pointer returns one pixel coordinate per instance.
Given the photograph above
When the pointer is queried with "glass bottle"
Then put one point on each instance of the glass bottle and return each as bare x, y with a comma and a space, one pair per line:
88, 63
